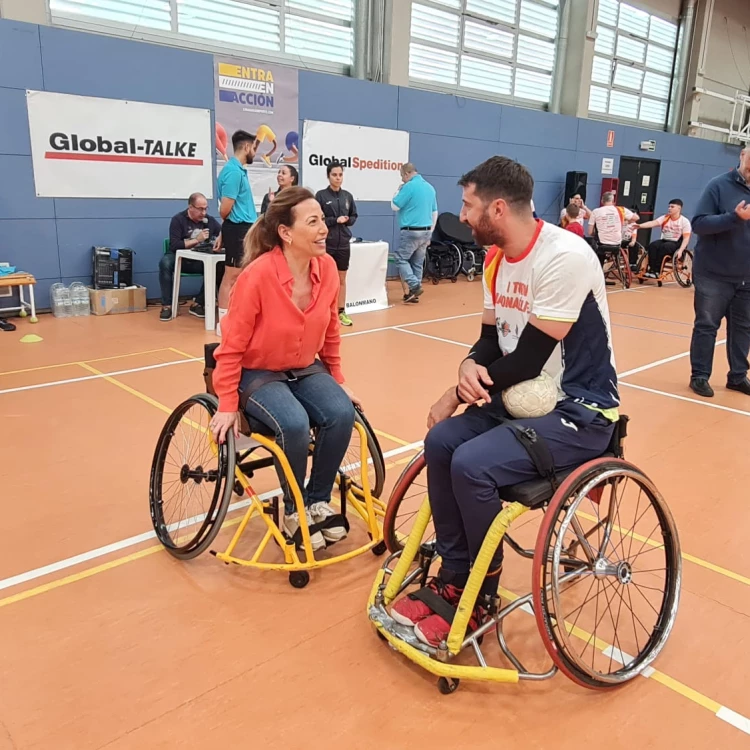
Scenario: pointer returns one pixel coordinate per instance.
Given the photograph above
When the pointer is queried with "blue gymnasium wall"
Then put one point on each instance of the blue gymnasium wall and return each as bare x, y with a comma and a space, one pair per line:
53, 238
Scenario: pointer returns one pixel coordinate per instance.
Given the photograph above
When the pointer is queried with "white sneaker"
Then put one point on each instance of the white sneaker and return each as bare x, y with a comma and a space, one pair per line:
291, 524
320, 512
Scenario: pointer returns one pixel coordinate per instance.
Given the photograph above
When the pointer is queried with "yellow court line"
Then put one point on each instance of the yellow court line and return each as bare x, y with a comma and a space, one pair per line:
127, 388
183, 354
82, 575
663, 679
393, 439
685, 555
72, 364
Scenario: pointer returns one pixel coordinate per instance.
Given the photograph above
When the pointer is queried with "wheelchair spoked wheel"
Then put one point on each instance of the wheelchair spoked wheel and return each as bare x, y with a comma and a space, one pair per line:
191, 479
683, 269
404, 503
606, 574
624, 273
351, 464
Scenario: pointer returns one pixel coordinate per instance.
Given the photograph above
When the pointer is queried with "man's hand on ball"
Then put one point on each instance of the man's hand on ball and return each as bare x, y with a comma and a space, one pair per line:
473, 381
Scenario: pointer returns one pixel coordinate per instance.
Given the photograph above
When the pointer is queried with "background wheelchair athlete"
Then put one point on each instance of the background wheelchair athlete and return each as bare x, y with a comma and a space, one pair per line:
280, 350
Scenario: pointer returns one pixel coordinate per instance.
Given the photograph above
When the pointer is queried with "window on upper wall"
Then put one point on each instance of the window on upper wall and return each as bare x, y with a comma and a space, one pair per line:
294, 31
502, 49
634, 55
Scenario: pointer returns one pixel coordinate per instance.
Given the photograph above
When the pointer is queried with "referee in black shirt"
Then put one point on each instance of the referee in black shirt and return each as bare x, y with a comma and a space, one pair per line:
340, 214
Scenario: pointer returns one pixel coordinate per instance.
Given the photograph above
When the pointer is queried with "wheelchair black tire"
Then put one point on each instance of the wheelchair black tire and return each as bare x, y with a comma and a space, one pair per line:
547, 583
413, 469
375, 452
208, 527
685, 281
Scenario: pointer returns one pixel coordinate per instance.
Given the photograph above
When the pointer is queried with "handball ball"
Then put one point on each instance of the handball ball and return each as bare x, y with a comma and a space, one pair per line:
531, 398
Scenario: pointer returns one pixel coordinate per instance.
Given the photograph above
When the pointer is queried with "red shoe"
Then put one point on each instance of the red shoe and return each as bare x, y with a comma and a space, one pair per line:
411, 610
433, 630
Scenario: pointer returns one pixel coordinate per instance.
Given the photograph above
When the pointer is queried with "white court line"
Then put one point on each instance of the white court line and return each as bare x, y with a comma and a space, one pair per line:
434, 338
686, 398
659, 362
736, 720
93, 554
99, 377
84, 378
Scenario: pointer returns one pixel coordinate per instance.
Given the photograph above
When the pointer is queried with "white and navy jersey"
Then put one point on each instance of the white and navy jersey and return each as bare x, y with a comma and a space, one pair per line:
558, 278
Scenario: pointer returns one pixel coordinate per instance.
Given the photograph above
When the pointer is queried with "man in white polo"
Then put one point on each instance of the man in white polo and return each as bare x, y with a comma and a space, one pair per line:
606, 224
675, 235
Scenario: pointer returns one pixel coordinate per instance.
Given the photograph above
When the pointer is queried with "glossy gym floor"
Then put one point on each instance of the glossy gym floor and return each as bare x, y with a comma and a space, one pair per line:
110, 642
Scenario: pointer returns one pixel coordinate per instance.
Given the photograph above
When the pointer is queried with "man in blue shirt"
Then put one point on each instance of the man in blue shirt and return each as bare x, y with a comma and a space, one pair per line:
721, 272
237, 209
416, 204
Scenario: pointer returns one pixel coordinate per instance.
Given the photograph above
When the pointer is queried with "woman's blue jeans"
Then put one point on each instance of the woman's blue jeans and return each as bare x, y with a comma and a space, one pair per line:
290, 409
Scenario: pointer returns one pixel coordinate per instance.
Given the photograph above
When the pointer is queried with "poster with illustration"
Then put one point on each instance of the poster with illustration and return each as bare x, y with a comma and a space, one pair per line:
262, 99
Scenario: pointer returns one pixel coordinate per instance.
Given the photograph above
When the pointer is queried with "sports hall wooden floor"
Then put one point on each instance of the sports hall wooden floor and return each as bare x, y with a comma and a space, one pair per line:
118, 645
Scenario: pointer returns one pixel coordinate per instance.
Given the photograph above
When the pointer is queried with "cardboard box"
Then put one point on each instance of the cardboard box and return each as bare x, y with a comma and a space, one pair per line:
116, 301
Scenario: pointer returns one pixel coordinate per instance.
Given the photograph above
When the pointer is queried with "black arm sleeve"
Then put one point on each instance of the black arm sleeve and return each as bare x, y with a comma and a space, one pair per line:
533, 350
487, 349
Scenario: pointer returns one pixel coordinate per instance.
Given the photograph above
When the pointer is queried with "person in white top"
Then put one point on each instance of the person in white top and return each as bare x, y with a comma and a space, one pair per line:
583, 211
675, 235
606, 223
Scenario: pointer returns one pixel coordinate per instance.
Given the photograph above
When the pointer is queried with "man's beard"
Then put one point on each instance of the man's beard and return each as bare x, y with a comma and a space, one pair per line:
485, 234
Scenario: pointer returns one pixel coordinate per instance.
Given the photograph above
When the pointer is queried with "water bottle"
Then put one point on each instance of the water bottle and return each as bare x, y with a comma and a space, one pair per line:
67, 302
56, 300
79, 298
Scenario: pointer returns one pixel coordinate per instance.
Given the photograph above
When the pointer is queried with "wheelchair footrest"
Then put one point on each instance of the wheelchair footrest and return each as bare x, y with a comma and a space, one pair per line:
331, 522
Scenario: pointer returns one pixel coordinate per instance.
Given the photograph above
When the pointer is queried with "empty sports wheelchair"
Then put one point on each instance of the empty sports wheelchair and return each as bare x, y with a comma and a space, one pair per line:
193, 480
605, 578
452, 251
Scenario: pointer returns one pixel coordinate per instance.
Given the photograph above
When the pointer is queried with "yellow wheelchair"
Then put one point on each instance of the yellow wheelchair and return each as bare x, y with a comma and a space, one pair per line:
605, 580
193, 481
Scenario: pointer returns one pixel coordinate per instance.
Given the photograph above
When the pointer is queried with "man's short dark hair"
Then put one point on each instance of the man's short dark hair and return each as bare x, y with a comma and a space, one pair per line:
240, 137
330, 167
676, 202
501, 177
194, 197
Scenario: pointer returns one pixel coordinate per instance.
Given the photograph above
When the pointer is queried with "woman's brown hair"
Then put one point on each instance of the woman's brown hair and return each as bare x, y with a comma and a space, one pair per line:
264, 235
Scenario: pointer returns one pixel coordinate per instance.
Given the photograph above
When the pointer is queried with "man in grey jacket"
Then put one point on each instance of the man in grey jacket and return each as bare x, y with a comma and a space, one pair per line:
340, 213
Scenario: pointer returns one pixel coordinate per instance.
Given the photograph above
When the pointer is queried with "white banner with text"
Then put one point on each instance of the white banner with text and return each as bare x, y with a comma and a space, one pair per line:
371, 157
88, 147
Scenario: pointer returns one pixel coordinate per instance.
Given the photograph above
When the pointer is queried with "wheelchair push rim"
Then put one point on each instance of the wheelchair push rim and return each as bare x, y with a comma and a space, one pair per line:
605, 620
192, 479
351, 463
404, 504
683, 269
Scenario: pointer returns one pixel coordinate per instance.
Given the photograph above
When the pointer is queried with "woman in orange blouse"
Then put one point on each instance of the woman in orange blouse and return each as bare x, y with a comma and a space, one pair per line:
279, 355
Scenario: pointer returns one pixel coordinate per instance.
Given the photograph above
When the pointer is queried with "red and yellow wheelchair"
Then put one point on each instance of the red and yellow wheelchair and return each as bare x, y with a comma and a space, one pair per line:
605, 578
193, 482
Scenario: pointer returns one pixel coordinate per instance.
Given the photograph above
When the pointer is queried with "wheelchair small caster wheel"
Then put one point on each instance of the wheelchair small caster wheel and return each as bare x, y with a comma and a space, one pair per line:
471, 276
435, 281
381, 636
640, 281
659, 284
447, 685
378, 550
299, 579
454, 279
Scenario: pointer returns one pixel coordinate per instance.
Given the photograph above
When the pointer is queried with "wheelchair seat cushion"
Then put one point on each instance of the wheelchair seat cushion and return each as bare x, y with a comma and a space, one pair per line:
536, 492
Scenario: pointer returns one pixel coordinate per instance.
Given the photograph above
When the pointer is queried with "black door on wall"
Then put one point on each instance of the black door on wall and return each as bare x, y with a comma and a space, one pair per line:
639, 179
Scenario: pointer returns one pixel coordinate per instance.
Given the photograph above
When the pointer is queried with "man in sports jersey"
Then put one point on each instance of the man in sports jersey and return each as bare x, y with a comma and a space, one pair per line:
606, 224
545, 308
675, 235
